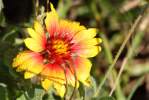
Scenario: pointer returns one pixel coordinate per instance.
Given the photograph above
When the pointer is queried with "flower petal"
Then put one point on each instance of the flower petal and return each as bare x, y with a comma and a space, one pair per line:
34, 45
85, 34
69, 28
90, 42
51, 21
60, 89
38, 28
89, 52
71, 76
28, 75
38, 34
21, 58
83, 67
33, 34
46, 84
54, 72
86, 50
30, 62
24, 66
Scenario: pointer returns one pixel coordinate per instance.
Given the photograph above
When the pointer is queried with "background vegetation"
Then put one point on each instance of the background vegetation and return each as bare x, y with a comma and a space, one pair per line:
120, 73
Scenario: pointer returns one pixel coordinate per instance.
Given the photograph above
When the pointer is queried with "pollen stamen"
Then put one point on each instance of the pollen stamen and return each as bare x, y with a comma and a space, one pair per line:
60, 47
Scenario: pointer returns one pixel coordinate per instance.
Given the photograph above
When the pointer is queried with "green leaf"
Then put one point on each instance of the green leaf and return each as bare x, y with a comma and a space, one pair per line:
135, 87
34, 94
3, 92
81, 90
63, 8
22, 97
106, 98
39, 93
89, 92
49, 95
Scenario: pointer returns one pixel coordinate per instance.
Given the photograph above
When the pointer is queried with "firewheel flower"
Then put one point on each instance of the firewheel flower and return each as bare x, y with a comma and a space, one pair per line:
58, 52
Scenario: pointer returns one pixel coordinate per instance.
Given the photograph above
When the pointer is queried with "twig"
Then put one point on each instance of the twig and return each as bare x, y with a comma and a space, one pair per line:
119, 74
130, 5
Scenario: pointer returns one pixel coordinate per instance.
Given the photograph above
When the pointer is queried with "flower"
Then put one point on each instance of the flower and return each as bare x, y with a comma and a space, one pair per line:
58, 52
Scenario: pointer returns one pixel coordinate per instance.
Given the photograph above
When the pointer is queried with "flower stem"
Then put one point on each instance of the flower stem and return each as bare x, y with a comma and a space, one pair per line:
75, 76
66, 85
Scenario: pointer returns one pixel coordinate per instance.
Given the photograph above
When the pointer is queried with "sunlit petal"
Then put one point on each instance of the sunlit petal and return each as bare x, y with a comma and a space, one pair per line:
34, 45
51, 21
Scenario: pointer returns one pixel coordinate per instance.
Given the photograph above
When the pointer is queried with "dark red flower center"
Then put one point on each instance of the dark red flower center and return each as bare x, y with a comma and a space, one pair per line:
57, 51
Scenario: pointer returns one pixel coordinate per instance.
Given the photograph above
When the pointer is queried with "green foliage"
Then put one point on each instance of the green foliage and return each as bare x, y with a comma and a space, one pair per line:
112, 22
3, 92
107, 98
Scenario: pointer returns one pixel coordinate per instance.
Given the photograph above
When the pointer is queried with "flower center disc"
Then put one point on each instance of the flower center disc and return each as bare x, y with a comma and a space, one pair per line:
59, 47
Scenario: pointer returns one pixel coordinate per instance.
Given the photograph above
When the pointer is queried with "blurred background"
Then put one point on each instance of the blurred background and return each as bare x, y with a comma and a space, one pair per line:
112, 18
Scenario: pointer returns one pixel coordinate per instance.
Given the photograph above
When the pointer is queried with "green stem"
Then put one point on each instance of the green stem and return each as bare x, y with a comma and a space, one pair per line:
8, 34
107, 49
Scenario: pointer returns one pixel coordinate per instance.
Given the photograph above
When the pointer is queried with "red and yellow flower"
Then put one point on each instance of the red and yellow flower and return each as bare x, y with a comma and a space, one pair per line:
58, 52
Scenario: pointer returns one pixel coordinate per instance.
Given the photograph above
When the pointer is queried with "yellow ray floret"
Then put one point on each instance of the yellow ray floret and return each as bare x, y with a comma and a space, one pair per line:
51, 20
34, 45
39, 29
85, 34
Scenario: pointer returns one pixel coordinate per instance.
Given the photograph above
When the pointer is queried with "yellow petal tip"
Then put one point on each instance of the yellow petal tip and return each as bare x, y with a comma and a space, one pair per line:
99, 48
46, 84
28, 75
100, 40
